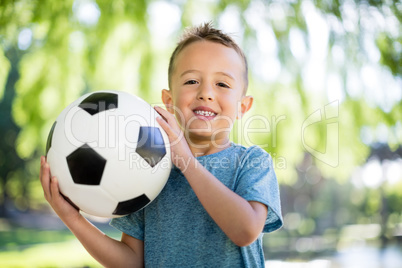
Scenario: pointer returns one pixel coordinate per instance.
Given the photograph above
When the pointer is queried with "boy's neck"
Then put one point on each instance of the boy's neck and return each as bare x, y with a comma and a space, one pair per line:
206, 147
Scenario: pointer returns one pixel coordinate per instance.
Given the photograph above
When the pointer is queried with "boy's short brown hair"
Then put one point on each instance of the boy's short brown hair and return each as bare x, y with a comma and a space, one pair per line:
208, 33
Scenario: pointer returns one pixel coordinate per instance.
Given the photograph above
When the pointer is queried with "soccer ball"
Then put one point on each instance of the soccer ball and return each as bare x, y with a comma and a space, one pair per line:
109, 154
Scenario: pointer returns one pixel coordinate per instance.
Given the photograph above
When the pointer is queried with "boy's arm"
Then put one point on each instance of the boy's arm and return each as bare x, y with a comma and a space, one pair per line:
128, 252
242, 221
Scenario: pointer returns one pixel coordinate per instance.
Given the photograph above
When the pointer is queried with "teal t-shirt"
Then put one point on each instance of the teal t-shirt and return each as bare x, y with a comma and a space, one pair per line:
178, 232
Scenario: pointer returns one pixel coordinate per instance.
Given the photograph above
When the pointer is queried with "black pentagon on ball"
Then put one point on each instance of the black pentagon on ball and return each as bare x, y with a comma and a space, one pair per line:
86, 165
131, 205
50, 138
151, 146
99, 102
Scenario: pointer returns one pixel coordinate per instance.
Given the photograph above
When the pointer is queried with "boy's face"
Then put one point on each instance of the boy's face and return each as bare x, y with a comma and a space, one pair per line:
207, 93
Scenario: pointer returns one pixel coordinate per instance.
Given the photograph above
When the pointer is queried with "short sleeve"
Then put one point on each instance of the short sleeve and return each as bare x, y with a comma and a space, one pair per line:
256, 181
132, 224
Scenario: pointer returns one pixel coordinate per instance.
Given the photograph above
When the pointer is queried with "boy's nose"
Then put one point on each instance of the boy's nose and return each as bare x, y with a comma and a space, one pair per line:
205, 93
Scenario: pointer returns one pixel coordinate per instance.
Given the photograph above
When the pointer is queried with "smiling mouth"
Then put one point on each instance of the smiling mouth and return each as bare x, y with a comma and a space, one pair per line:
204, 114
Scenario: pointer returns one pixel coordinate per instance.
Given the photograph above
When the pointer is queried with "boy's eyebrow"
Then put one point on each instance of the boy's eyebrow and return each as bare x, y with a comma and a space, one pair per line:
226, 74
188, 71
195, 71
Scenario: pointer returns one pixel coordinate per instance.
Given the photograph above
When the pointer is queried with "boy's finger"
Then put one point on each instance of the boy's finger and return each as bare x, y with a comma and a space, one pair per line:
40, 169
45, 179
169, 118
157, 108
41, 173
163, 113
42, 162
54, 187
166, 127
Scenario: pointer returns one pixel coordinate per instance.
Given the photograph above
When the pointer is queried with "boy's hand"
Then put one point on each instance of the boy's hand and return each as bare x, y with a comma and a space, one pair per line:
180, 151
52, 194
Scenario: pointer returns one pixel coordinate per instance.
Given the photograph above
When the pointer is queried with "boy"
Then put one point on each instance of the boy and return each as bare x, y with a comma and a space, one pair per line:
219, 197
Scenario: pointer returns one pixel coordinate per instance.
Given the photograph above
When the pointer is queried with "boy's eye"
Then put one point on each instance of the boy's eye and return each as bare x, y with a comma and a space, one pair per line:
190, 82
222, 85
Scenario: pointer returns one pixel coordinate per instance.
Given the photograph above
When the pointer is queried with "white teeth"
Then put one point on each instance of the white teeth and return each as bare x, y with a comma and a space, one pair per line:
204, 113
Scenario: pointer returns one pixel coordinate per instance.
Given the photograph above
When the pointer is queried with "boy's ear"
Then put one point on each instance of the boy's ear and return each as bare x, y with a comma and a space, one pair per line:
167, 100
245, 105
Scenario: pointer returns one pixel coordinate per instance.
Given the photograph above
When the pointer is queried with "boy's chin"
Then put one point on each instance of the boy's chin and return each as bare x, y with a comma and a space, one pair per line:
202, 135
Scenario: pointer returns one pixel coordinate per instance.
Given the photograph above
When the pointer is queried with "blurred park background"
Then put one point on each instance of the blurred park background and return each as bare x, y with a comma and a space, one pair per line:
326, 77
